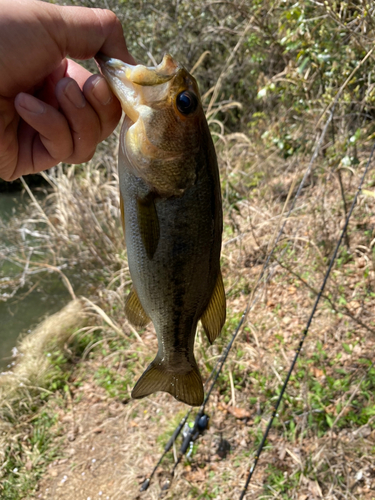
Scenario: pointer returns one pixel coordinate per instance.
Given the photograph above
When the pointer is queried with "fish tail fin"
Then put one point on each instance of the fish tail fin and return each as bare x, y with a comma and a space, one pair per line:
186, 387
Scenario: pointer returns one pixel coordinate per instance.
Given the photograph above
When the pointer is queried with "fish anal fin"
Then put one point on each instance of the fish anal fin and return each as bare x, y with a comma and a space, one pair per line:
186, 387
148, 224
213, 318
134, 310
122, 210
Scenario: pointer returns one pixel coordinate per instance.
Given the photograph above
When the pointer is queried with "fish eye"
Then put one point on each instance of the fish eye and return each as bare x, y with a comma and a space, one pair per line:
186, 102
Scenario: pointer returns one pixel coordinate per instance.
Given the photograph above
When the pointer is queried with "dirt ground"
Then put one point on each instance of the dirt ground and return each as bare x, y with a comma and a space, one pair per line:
108, 454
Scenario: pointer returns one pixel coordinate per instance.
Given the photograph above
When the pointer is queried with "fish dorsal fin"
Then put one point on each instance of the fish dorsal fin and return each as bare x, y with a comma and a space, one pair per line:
122, 210
134, 310
148, 224
186, 386
213, 318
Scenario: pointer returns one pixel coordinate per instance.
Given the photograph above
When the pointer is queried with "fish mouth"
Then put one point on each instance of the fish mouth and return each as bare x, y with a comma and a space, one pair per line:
137, 85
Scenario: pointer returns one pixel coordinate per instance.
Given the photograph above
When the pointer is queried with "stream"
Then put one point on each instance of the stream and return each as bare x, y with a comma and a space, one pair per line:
24, 311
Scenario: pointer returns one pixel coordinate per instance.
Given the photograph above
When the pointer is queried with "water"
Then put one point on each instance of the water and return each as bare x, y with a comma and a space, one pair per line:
25, 310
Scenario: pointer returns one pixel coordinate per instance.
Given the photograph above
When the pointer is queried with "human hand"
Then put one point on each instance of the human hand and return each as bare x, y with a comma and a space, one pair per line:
51, 108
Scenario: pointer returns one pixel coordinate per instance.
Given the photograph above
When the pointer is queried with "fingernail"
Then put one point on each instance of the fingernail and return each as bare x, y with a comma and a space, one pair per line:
31, 104
74, 94
101, 91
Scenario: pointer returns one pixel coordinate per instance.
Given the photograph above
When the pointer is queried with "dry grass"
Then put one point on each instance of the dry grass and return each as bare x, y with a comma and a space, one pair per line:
323, 441
32, 360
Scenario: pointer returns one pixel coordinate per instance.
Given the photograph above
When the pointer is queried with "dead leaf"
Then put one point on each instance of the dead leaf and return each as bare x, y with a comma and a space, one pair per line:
317, 372
353, 306
222, 406
315, 489
287, 320
239, 412
361, 263
197, 476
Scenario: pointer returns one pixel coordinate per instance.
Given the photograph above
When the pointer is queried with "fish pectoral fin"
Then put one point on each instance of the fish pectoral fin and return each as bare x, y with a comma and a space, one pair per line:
148, 223
134, 310
186, 387
122, 210
213, 318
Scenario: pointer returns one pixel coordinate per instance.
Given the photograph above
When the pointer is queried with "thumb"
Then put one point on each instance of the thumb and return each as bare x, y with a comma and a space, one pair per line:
88, 31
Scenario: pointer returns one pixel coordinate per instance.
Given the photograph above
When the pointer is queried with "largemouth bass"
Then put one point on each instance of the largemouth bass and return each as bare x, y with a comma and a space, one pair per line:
172, 219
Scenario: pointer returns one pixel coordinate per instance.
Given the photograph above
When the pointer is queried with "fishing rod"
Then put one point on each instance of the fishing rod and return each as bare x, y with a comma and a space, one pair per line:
167, 447
306, 329
177, 432
218, 367
331, 109
198, 423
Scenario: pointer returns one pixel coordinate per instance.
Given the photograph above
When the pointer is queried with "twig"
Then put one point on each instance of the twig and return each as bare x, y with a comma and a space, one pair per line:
219, 82
232, 388
40, 209
199, 62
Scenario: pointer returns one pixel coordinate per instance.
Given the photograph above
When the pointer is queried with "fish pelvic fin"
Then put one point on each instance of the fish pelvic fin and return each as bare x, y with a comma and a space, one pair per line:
186, 387
134, 310
213, 318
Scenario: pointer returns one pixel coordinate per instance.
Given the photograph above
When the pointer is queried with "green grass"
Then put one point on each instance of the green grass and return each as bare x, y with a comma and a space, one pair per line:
115, 384
28, 456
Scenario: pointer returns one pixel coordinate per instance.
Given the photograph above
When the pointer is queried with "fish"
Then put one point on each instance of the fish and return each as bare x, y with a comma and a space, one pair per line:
171, 211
